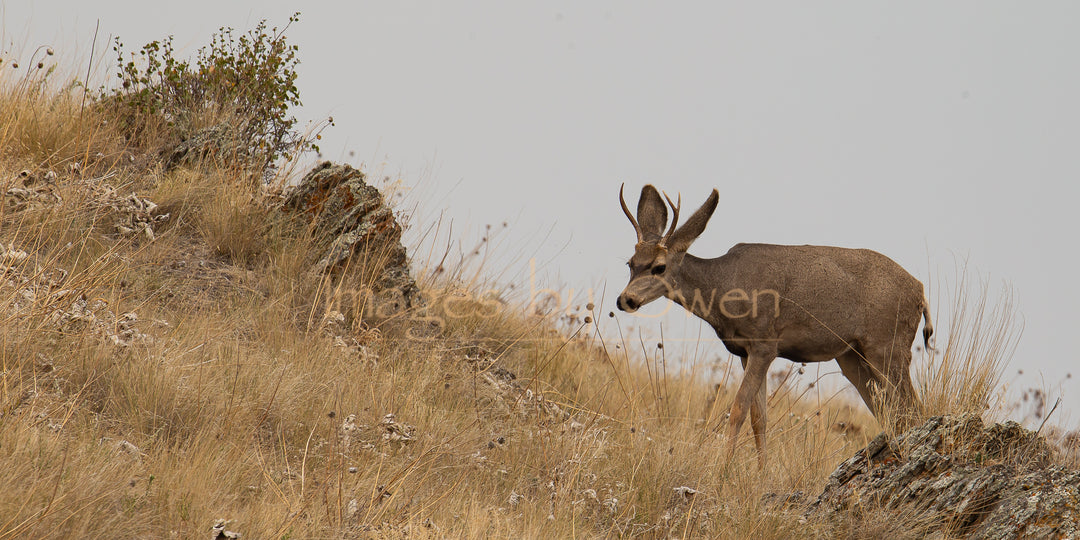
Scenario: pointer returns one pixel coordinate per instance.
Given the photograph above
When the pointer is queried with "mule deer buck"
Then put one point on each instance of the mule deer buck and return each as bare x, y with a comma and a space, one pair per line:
803, 303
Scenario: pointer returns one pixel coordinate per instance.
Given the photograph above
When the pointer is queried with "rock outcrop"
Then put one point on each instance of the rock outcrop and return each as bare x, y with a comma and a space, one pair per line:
221, 143
360, 228
956, 475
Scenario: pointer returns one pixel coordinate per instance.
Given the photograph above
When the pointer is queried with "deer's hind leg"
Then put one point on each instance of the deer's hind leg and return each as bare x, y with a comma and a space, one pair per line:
901, 391
889, 372
863, 377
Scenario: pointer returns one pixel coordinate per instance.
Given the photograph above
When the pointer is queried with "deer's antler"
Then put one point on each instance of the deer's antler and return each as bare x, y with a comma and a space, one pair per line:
629, 216
674, 220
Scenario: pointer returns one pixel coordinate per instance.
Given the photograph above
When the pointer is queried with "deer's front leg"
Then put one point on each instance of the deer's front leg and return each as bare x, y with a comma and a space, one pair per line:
758, 419
750, 398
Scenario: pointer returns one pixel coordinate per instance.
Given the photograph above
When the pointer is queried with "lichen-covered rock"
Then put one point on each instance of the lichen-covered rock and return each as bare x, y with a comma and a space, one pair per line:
220, 143
954, 473
359, 227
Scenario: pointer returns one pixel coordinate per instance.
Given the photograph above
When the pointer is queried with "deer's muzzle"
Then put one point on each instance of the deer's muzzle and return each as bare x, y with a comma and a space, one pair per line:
627, 304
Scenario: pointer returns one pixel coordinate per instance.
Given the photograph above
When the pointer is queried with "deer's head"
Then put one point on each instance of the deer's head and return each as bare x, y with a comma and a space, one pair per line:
658, 255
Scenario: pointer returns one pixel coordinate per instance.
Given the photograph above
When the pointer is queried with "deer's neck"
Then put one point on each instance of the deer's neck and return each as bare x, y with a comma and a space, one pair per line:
701, 286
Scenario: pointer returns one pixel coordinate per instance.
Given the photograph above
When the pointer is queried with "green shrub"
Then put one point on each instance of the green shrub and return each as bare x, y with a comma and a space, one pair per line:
250, 81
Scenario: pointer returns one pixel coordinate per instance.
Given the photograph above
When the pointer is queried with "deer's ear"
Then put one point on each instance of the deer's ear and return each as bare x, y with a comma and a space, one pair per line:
695, 225
652, 213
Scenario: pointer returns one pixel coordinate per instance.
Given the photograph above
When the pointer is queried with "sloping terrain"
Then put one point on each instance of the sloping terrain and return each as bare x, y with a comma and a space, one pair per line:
177, 351
187, 350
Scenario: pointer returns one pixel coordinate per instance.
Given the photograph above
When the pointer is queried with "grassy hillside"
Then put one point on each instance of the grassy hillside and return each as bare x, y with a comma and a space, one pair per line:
158, 374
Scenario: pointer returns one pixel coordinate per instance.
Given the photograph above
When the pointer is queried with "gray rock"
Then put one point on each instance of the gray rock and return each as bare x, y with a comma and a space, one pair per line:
955, 474
220, 143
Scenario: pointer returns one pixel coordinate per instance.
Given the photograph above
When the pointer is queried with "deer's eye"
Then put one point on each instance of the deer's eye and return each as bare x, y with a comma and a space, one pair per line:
658, 269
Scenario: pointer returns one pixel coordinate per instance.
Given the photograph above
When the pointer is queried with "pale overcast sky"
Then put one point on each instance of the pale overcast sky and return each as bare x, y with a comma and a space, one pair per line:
933, 132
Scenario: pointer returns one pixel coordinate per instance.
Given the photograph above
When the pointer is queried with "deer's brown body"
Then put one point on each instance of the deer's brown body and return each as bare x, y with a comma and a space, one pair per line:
803, 303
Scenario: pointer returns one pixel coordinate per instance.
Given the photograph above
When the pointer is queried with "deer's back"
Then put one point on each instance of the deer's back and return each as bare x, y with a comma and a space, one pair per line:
828, 293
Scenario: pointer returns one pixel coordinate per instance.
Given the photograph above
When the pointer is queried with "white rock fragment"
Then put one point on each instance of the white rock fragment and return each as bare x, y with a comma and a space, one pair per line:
612, 505
685, 492
128, 448
10, 256
350, 431
397, 432
218, 531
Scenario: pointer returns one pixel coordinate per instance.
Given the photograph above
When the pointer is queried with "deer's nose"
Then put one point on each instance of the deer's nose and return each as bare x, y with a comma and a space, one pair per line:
626, 304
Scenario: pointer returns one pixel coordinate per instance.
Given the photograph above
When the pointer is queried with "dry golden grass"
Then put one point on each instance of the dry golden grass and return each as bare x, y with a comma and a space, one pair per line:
963, 376
235, 393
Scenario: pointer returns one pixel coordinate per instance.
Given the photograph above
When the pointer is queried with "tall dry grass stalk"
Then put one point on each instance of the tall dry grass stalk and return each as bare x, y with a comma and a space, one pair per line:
963, 374
46, 124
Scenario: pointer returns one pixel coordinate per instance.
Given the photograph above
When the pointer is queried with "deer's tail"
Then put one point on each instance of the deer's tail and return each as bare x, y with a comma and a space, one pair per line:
928, 327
